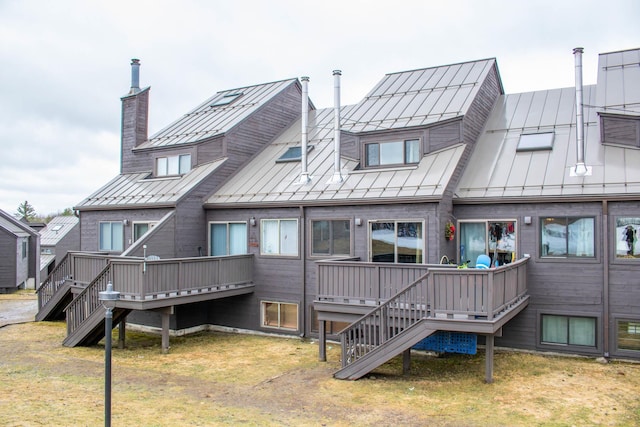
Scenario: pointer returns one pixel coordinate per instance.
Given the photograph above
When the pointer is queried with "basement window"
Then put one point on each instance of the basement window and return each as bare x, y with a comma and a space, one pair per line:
280, 315
226, 99
293, 154
535, 141
628, 337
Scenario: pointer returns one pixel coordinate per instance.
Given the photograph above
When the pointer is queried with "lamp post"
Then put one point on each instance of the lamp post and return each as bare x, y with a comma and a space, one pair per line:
108, 298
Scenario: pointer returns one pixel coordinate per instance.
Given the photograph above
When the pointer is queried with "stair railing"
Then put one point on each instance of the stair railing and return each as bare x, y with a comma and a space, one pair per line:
54, 281
87, 302
386, 321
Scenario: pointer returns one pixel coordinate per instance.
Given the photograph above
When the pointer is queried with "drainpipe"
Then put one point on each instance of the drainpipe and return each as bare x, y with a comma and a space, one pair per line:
337, 175
580, 168
303, 268
304, 174
135, 76
605, 279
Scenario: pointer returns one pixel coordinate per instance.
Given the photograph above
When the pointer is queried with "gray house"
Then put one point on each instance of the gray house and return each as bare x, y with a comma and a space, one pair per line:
61, 235
270, 215
19, 251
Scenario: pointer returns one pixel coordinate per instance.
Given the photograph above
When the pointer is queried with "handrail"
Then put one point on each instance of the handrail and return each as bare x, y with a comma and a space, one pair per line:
384, 322
54, 281
87, 301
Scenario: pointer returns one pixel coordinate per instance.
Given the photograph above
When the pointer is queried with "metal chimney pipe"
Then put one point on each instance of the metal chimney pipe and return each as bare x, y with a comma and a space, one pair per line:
135, 76
337, 175
580, 168
304, 174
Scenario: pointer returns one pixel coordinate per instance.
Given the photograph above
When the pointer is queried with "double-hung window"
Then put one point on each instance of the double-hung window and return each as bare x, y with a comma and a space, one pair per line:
227, 238
392, 153
331, 237
111, 236
279, 237
173, 165
396, 241
567, 237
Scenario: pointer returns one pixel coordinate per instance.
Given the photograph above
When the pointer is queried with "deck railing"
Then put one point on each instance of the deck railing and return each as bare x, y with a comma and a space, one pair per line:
450, 291
141, 280
60, 274
443, 293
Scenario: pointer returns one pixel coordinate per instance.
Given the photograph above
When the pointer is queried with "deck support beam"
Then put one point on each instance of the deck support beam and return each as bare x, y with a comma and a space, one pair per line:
166, 313
322, 340
488, 370
122, 328
406, 362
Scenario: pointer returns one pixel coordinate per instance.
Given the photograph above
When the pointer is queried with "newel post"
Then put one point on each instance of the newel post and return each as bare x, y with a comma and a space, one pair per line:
490, 295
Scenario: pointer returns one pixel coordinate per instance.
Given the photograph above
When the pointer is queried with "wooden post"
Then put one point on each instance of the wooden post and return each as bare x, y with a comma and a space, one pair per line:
166, 318
488, 377
122, 327
322, 335
406, 362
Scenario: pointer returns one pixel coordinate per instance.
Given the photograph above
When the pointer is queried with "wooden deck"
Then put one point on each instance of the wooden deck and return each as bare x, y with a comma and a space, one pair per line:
143, 285
391, 307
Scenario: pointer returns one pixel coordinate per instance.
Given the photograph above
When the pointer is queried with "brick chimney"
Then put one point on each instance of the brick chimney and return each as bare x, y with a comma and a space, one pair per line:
135, 118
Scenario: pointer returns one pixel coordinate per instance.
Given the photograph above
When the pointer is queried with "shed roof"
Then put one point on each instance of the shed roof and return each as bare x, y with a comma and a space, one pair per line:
419, 97
56, 229
215, 116
139, 190
497, 170
13, 227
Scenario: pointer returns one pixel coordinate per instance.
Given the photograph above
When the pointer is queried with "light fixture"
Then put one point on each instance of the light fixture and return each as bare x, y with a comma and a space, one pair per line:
108, 299
252, 221
358, 222
527, 220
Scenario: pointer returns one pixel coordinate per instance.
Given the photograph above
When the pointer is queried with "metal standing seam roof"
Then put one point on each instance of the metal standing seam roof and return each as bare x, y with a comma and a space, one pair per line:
206, 121
56, 229
13, 228
400, 100
497, 170
138, 190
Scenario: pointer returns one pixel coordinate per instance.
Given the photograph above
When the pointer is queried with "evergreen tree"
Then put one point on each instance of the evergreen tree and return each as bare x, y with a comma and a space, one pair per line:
25, 210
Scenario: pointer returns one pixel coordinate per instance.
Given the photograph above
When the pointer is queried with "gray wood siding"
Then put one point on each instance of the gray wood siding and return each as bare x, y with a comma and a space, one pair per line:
556, 286
70, 242
89, 224
8, 254
445, 135
134, 127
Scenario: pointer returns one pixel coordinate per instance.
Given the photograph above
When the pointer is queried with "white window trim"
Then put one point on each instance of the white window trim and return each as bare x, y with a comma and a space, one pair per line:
279, 251
396, 221
280, 303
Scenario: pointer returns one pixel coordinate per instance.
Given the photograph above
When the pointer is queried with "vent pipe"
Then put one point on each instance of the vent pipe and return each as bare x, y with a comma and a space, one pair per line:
337, 175
580, 168
135, 76
304, 174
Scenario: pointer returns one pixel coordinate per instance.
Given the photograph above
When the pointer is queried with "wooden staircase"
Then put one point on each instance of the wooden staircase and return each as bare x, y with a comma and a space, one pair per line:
55, 292
385, 331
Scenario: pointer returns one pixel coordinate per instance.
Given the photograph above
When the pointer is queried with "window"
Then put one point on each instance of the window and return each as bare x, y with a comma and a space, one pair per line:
628, 335
280, 315
279, 237
226, 99
392, 153
494, 238
535, 141
626, 237
331, 237
173, 165
567, 237
46, 251
25, 247
111, 236
140, 228
568, 330
227, 238
293, 154
396, 241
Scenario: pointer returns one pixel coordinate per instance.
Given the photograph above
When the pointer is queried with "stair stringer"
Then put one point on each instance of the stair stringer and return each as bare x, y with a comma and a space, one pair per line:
92, 328
385, 352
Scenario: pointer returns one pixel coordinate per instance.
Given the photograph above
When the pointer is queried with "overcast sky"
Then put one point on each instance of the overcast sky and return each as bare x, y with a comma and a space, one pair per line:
65, 64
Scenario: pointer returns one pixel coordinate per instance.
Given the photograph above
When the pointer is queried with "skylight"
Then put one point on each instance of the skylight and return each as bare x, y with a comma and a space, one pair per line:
293, 154
56, 228
226, 99
535, 141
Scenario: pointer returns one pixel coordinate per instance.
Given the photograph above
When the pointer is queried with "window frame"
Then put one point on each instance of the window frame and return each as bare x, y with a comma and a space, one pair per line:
263, 313
616, 346
396, 222
567, 256
228, 237
331, 253
568, 346
279, 253
150, 225
489, 249
164, 172
619, 241
25, 248
111, 248
404, 141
